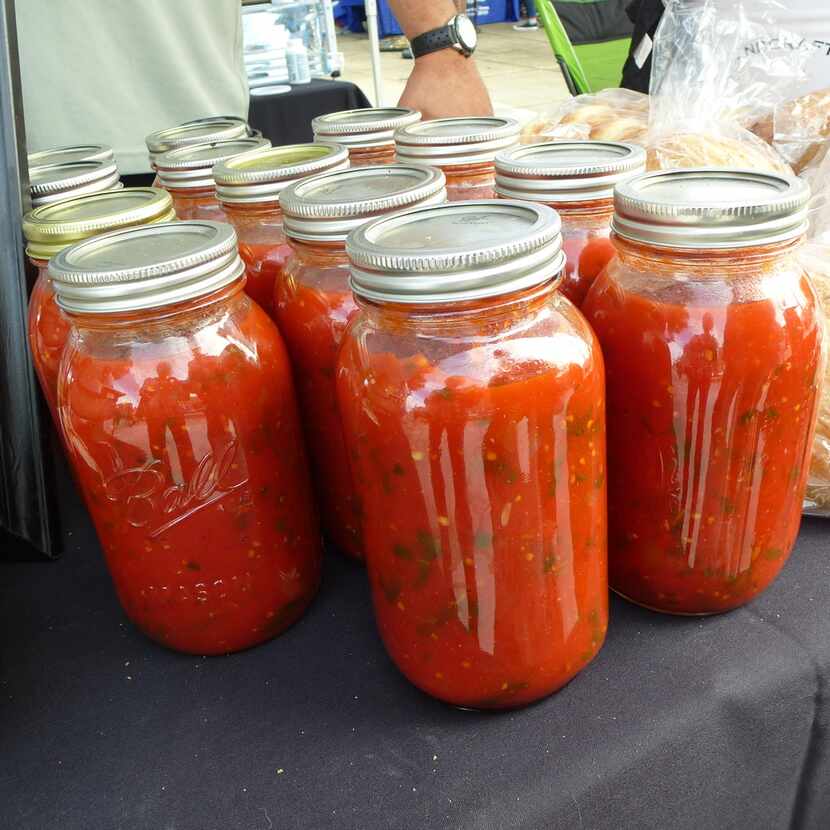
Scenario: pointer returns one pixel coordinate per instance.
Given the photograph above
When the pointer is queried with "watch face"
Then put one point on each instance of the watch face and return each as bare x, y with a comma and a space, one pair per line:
466, 31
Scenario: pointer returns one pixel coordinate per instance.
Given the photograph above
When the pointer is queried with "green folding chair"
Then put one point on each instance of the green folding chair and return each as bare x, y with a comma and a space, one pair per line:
586, 67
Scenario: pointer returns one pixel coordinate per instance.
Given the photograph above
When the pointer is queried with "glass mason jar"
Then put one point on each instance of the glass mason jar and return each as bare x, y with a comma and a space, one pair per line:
473, 402
713, 349
248, 189
51, 228
368, 134
187, 175
54, 182
577, 178
464, 148
177, 404
314, 304
199, 131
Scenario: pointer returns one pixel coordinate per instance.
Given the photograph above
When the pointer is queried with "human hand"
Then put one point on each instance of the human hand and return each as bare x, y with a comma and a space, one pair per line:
445, 84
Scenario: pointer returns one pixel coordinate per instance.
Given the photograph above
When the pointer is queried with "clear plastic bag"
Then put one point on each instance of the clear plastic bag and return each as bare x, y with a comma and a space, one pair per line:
609, 115
716, 70
815, 257
799, 129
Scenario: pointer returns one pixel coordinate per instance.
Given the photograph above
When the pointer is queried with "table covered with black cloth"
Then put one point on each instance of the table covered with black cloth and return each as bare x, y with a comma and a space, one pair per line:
286, 118
718, 722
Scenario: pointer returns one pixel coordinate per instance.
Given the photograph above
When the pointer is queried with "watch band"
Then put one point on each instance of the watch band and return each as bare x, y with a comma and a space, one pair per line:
434, 40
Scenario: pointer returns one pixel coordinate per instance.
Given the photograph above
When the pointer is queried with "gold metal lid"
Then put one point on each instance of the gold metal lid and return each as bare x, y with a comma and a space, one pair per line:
261, 175
51, 228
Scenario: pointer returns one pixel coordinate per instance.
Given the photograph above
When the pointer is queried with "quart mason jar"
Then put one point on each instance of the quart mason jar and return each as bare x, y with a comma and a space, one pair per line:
464, 148
54, 182
248, 188
187, 175
369, 134
200, 131
177, 404
51, 228
576, 178
473, 402
314, 305
713, 348
71, 153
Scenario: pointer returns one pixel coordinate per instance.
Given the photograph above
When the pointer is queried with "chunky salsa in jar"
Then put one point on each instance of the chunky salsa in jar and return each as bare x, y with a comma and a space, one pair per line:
51, 228
464, 148
248, 188
368, 134
713, 350
187, 174
177, 405
577, 178
314, 304
473, 401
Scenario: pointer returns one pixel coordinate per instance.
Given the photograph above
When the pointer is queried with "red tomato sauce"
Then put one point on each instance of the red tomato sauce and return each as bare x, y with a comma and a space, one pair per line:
484, 518
472, 181
264, 265
587, 254
312, 322
48, 332
192, 465
709, 433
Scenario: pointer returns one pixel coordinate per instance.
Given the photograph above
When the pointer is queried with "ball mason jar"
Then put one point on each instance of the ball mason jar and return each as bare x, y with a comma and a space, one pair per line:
713, 350
314, 305
51, 228
464, 148
177, 405
64, 180
186, 173
369, 134
199, 131
473, 403
576, 178
248, 188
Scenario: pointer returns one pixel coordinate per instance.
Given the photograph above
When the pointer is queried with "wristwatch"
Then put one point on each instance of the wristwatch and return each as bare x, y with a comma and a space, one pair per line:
459, 34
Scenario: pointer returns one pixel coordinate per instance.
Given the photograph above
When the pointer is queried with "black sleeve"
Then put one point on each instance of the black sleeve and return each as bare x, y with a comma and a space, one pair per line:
645, 15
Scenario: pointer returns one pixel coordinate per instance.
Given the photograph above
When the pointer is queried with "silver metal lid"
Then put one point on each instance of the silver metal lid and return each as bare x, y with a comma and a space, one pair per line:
710, 208
567, 171
192, 166
325, 208
75, 152
145, 267
261, 176
451, 141
221, 119
201, 131
363, 127
53, 182
455, 252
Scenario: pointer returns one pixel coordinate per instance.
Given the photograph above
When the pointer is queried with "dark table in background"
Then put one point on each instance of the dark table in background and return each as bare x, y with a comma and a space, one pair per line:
688, 724
286, 118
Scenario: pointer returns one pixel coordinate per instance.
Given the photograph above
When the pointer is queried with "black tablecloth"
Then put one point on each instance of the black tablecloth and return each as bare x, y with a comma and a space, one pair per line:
708, 723
286, 118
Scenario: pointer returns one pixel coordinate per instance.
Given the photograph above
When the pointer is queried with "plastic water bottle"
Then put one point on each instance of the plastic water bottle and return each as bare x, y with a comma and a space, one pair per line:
296, 56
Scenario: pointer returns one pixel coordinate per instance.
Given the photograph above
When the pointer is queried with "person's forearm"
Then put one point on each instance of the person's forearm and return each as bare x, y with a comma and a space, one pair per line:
419, 16
443, 83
